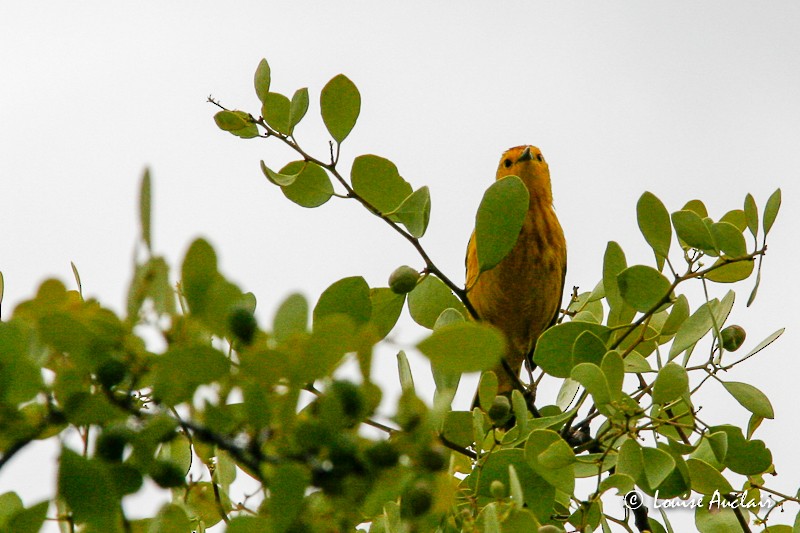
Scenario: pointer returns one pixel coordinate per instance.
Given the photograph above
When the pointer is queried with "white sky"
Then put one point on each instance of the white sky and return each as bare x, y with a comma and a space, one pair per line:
684, 99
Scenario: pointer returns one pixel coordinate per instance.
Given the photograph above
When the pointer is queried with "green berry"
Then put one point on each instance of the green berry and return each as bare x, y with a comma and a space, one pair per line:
111, 373
382, 454
497, 489
243, 325
733, 337
111, 444
167, 474
416, 501
500, 410
403, 279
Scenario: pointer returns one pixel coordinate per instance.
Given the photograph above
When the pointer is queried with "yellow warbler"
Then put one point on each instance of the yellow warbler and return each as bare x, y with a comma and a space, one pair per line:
521, 296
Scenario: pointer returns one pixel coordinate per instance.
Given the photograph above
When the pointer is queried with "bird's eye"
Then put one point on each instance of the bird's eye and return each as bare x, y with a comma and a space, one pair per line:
539, 157
507, 163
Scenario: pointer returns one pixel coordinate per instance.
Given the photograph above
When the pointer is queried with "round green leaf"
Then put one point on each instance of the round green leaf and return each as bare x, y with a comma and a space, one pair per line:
559, 340
87, 487
654, 223
464, 347
291, 318
594, 381
340, 104
386, 308
348, 296
415, 212
499, 220
658, 465
429, 299
276, 112
746, 457
750, 398
642, 287
705, 478
236, 122
672, 382
377, 180
552, 458
311, 186
613, 263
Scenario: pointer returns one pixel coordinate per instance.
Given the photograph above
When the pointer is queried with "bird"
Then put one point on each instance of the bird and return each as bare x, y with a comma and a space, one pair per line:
521, 296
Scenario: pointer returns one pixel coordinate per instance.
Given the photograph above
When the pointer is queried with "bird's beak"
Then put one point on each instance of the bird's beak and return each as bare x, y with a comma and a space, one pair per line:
526, 155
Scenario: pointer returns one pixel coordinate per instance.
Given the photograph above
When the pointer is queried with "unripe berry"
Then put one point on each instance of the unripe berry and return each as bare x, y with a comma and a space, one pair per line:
497, 489
500, 409
403, 280
733, 337
243, 325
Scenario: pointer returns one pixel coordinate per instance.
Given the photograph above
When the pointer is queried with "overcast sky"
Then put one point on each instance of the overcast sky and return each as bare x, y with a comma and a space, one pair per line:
684, 99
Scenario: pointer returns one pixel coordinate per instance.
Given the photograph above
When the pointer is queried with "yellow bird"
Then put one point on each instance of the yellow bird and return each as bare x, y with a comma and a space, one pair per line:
521, 296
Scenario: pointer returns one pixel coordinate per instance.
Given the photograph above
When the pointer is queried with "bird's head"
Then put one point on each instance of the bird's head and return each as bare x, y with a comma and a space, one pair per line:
527, 163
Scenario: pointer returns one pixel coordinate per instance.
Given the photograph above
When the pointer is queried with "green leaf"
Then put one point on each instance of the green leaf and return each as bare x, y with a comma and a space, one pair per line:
281, 180
249, 524
386, 308
613, 263
340, 104
766, 342
559, 340
517, 496
715, 519
331, 339
171, 519
198, 273
28, 520
237, 123
677, 315
705, 478
464, 347
298, 107
429, 299
696, 206
287, 489
404, 372
771, 210
552, 458
10, 504
588, 348
415, 212
594, 381
693, 231
692, 330
751, 214
261, 80
658, 465
144, 209
629, 460
182, 369
746, 457
654, 223
622, 482
348, 296
730, 272
737, 218
457, 427
643, 287
750, 398
276, 112
613, 368
311, 186
291, 318
377, 180
729, 239
672, 383
487, 389
87, 488
499, 220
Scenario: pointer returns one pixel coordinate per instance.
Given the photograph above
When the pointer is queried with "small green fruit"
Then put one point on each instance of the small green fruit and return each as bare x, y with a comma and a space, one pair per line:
167, 474
382, 454
243, 325
497, 489
403, 279
111, 443
500, 410
111, 373
733, 337
434, 459
416, 501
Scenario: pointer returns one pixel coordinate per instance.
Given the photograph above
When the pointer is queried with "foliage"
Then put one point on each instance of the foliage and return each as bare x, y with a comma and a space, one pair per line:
225, 390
